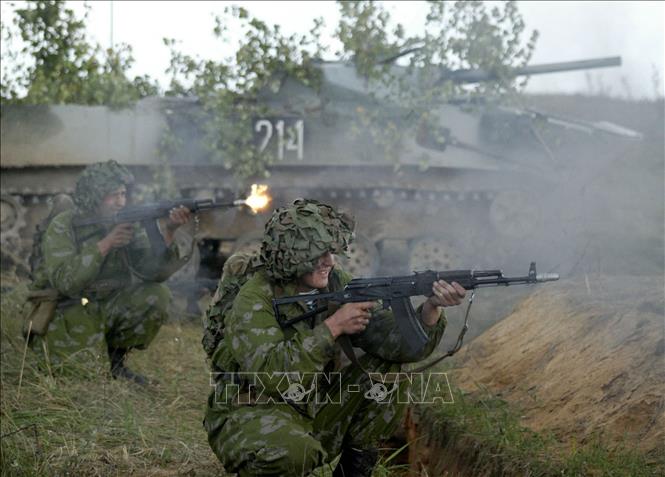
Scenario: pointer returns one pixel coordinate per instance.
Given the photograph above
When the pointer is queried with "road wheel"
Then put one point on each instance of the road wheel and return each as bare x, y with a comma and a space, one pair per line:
12, 218
363, 258
430, 253
516, 214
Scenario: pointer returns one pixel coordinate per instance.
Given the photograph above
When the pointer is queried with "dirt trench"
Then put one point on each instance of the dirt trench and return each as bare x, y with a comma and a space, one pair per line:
581, 359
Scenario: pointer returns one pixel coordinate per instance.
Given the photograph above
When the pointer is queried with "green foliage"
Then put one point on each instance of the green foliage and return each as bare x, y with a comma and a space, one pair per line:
363, 31
229, 90
459, 35
233, 91
64, 67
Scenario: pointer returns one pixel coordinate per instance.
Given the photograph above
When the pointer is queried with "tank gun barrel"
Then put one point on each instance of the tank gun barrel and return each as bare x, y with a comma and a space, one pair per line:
478, 75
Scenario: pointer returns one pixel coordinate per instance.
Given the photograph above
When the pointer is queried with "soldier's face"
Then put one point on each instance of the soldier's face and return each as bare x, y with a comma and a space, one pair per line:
319, 277
113, 202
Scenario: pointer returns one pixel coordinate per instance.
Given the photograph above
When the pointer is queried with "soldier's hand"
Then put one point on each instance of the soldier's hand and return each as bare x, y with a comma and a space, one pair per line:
177, 217
443, 294
118, 237
446, 294
350, 319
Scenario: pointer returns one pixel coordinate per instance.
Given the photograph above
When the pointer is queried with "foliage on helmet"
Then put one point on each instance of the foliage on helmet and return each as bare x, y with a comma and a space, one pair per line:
296, 236
98, 180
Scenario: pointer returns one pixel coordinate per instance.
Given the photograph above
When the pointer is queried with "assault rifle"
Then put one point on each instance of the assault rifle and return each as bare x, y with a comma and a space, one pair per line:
148, 214
394, 292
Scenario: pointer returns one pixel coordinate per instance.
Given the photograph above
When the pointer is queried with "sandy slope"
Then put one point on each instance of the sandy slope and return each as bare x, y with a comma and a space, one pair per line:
580, 359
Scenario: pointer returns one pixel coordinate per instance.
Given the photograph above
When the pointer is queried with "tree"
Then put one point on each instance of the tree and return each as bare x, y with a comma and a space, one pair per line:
456, 35
63, 66
228, 89
399, 69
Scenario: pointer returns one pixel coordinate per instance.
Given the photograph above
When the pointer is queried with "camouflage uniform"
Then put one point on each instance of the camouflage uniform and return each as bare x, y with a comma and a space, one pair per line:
126, 305
292, 438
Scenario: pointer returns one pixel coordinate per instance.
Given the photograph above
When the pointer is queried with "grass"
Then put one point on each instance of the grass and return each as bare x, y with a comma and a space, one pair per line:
482, 435
78, 421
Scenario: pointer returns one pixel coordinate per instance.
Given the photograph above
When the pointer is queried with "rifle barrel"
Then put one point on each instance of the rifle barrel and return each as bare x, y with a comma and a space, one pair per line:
219, 205
135, 213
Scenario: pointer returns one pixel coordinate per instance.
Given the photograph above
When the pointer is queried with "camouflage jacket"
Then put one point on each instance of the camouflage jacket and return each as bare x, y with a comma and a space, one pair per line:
254, 341
72, 261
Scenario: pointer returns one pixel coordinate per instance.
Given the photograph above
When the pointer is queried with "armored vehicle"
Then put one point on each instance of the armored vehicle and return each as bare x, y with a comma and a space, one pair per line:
471, 187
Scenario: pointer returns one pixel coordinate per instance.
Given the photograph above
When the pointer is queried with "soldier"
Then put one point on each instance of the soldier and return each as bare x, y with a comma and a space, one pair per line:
106, 282
271, 432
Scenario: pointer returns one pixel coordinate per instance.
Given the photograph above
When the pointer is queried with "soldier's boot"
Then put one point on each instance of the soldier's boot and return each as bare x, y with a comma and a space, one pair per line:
119, 370
356, 462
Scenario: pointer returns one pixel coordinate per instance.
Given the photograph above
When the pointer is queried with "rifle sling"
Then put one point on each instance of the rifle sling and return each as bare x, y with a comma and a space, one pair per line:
347, 347
345, 342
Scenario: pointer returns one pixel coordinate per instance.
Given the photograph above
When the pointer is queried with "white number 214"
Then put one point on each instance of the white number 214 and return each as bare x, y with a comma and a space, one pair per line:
288, 138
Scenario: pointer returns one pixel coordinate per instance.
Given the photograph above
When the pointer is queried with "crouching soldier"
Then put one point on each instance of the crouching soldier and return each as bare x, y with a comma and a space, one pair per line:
266, 428
97, 287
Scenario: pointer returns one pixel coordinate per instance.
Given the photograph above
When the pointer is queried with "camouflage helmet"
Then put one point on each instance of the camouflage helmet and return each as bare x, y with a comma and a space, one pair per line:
98, 180
296, 236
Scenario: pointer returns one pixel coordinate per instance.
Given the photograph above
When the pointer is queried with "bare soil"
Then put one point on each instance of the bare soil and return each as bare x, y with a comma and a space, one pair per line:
582, 358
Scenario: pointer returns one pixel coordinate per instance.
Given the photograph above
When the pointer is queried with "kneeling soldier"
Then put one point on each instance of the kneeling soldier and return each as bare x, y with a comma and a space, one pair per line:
105, 284
269, 431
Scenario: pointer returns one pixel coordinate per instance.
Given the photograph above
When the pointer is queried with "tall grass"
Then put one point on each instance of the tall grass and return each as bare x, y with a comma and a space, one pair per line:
75, 419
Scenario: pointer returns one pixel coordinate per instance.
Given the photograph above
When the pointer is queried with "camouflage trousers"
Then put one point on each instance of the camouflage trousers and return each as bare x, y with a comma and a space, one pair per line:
128, 318
276, 439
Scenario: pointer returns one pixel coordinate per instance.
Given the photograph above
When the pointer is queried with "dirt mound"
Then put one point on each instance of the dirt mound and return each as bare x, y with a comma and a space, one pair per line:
580, 357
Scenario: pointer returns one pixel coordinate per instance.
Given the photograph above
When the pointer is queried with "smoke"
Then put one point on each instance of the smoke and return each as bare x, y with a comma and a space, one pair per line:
580, 204
608, 205
574, 202
633, 30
